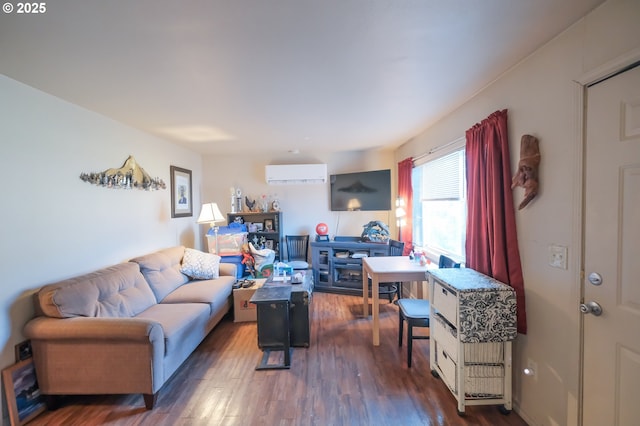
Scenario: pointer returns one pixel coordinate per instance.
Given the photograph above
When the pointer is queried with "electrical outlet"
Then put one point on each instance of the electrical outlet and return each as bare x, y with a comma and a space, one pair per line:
558, 256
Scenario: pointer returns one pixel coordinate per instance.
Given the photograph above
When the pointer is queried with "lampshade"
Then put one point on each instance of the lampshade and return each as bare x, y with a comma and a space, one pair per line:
210, 213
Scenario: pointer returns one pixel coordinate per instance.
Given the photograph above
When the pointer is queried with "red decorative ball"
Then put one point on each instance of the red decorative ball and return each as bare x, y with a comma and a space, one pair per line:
322, 229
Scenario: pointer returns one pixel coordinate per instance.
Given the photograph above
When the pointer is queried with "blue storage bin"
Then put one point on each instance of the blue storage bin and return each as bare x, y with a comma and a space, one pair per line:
232, 228
238, 262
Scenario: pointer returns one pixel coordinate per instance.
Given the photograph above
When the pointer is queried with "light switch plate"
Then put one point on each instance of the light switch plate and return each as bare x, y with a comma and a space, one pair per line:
558, 256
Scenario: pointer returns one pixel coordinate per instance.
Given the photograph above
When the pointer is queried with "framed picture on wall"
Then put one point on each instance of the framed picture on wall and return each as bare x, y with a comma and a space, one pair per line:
181, 192
24, 399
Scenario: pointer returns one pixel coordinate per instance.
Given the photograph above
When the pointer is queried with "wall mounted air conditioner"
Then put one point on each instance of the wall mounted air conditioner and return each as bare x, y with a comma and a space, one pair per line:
282, 174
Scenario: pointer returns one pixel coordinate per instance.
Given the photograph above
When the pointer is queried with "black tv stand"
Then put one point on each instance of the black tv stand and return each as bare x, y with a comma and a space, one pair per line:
337, 264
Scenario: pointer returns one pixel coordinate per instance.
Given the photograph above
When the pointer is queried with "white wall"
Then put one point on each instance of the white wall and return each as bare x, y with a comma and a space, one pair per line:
303, 205
543, 100
54, 225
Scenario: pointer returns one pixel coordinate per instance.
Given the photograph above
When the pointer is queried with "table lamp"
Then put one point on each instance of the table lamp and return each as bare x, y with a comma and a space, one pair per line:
210, 213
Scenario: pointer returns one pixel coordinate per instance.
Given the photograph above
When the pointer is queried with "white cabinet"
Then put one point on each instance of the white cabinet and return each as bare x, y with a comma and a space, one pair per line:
473, 321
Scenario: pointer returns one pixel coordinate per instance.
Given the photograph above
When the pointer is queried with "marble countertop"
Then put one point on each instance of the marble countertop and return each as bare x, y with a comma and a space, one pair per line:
465, 279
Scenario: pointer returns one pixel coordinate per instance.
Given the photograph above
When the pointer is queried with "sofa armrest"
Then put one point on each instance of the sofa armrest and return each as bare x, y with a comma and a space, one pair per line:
97, 355
108, 329
228, 269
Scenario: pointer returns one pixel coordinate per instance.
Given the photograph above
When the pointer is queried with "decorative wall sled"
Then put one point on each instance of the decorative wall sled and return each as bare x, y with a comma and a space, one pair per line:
129, 176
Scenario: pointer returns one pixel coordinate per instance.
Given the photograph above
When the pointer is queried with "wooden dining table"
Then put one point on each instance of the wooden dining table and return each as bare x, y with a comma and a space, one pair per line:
385, 269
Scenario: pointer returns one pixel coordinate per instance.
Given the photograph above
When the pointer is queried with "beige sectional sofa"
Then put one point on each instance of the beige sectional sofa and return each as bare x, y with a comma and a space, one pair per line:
126, 328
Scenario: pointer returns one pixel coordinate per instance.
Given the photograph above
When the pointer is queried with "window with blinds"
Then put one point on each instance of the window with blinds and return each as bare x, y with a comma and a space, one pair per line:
440, 205
442, 178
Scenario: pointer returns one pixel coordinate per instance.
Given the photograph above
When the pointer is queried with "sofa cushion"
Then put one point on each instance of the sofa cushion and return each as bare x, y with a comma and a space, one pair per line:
215, 293
162, 270
200, 265
116, 291
184, 325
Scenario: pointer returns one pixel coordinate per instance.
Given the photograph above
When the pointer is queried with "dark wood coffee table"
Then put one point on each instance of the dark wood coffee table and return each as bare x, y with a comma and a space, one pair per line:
282, 318
299, 321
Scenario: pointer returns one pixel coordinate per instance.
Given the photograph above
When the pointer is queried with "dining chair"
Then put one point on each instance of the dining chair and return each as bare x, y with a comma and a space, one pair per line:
447, 262
297, 251
416, 312
392, 289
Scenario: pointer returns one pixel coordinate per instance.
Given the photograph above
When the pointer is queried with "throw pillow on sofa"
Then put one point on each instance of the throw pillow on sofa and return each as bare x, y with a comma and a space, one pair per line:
199, 265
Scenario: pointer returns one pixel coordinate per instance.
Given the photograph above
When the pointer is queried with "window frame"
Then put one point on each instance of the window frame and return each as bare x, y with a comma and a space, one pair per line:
433, 253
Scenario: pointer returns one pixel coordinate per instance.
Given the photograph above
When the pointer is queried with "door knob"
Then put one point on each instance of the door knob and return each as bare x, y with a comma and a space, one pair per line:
591, 308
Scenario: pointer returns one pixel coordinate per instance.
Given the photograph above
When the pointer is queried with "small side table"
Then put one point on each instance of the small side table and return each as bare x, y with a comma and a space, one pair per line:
273, 324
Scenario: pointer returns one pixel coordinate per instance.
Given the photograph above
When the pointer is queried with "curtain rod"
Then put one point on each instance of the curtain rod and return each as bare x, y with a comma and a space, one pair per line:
438, 148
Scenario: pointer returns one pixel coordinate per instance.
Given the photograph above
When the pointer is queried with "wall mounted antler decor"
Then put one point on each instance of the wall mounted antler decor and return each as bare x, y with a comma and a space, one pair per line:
527, 175
129, 176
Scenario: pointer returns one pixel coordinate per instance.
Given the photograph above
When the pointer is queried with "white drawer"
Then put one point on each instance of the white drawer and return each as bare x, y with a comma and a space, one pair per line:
445, 335
484, 353
446, 302
484, 381
447, 366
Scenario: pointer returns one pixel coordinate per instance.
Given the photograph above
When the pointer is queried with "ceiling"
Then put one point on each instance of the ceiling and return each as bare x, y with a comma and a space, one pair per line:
233, 76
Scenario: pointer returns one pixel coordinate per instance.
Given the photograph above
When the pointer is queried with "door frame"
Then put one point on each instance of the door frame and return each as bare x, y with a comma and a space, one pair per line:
600, 73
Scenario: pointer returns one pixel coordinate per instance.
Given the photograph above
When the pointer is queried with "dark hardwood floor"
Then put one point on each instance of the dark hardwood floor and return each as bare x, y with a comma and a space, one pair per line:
341, 379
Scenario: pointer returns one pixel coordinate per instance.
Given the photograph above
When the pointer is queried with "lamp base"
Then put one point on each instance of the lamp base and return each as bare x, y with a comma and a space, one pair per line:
212, 239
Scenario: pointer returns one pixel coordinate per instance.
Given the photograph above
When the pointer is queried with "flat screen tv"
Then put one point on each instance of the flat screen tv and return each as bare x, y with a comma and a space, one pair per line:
361, 191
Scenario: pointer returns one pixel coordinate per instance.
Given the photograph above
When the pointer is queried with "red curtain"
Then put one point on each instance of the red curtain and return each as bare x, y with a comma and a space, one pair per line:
492, 242
405, 191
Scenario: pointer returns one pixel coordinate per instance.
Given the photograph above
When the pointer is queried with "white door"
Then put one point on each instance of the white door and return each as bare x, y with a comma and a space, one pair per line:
612, 250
